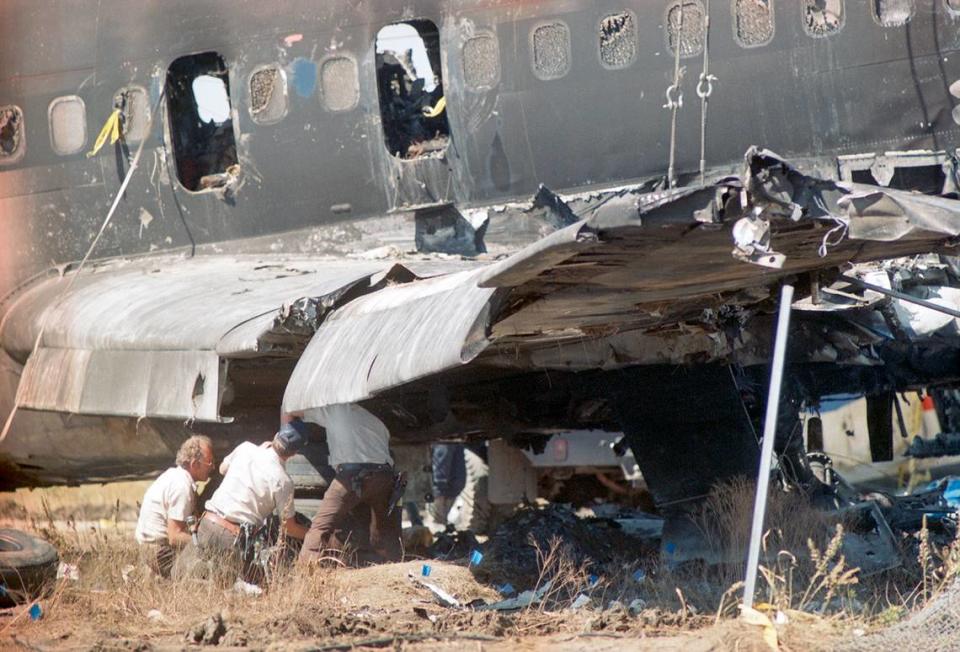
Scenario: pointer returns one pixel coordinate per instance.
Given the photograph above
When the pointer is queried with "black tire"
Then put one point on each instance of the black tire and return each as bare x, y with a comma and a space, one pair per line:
28, 566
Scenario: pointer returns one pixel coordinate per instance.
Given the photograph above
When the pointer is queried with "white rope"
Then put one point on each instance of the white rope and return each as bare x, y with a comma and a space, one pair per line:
86, 257
704, 90
675, 98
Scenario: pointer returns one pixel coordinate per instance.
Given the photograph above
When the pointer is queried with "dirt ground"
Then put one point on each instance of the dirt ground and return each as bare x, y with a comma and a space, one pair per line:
115, 606
377, 607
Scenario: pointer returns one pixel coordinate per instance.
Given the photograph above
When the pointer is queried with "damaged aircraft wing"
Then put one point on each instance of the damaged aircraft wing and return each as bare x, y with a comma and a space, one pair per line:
637, 265
152, 338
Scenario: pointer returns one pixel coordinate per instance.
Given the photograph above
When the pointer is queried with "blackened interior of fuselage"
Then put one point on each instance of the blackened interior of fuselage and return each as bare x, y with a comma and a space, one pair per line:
410, 86
201, 120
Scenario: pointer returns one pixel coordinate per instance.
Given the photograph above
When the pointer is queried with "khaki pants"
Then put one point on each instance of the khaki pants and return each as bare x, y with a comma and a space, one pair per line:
216, 557
158, 557
376, 488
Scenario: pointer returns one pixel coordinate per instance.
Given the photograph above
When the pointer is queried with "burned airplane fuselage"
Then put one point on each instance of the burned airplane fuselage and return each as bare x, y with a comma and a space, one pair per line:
287, 146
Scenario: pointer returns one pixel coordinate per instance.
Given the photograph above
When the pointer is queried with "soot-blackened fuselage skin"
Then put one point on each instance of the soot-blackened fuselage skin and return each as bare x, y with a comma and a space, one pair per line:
528, 114
568, 94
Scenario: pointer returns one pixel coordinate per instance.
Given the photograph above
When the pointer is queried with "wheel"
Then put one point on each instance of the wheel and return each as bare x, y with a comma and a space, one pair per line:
28, 565
472, 509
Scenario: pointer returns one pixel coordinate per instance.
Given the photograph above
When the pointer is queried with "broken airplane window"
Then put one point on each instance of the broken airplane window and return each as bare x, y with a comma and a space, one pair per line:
201, 122
339, 83
268, 95
551, 50
685, 25
410, 84
134, 112
753, 22
481, 62
618, 40
822, 17
11, 134
68, 125
892, 13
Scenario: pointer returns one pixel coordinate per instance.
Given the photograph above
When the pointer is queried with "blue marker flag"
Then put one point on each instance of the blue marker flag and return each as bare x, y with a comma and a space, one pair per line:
425, 571
36, 612
476, 557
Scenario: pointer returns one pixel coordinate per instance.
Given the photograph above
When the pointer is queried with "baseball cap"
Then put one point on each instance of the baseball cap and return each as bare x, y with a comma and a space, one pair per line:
293, 436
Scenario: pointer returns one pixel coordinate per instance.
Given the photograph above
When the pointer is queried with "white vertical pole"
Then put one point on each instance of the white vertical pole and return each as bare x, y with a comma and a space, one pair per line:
769, 433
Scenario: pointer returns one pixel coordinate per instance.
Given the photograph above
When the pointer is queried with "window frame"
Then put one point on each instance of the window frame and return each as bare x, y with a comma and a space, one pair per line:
480, 34
21, 150
636, 38
286, 94
533, 48
356, 79
736, 34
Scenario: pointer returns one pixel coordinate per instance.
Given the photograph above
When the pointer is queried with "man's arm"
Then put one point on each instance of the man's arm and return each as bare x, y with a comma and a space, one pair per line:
178, 534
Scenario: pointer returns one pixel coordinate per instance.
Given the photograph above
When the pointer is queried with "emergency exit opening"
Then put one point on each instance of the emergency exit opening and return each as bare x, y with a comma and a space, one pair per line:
410, 84
201, 120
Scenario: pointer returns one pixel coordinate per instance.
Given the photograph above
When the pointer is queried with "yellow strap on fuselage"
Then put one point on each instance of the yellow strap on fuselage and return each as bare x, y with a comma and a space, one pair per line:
110, 128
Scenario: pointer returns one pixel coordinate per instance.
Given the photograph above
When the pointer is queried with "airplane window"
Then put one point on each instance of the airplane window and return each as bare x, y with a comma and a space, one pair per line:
410, 84
68, 125
201, 122
339, 83
822, 17
11, 134
753, 22
551, 50
893, 13
134, 112
268, 94
481, 61
618, 40
685, 28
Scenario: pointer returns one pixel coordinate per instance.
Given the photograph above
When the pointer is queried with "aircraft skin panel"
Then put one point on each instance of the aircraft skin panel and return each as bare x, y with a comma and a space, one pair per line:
320, 181
866, 88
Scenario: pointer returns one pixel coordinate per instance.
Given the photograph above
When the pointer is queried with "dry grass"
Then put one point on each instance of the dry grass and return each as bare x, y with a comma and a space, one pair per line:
803, 571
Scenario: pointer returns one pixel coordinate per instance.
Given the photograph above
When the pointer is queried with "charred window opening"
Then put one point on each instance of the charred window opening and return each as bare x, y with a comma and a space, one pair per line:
410, 84
931, 173
11, 133
753, 22
618, 40
822, 17
201, 122
68, 125
892, 13
134, 112
815, 435
685, 27
339, 83
268, 95
481, 62
551, 50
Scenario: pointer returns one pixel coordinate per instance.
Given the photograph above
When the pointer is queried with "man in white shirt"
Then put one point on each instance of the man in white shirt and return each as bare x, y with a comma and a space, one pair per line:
162, 526
255, 485
359, 445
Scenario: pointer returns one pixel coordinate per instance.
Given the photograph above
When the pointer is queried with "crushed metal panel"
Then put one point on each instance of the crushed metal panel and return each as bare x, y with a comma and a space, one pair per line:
886, 215
165, 303
122, 383
392, 337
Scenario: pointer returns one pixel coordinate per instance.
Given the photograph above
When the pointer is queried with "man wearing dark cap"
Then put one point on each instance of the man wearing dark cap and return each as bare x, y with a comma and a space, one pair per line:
255, 485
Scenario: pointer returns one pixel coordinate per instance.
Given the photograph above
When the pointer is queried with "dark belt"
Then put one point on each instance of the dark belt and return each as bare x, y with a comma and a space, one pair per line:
353, 468
216, 519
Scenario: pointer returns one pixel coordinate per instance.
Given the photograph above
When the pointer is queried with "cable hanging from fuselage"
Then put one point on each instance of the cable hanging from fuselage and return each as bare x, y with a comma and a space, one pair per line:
704, 90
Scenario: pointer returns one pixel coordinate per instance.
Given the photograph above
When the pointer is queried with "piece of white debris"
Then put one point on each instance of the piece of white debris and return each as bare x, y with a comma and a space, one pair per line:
246, 588
68, 572
581, 601
155, 615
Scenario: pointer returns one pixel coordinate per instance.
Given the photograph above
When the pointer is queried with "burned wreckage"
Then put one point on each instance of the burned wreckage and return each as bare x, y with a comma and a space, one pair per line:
559, 281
